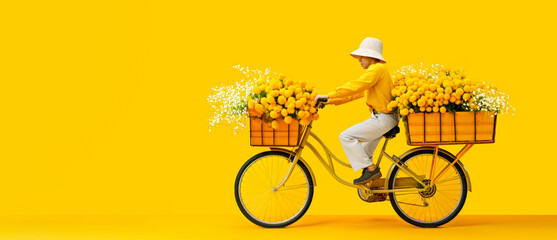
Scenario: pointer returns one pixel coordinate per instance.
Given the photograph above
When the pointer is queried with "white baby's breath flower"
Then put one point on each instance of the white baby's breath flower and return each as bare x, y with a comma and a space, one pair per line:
228, 103
493, 100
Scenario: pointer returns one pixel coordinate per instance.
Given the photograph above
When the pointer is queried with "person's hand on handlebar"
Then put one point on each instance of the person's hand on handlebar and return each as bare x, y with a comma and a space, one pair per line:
318, 97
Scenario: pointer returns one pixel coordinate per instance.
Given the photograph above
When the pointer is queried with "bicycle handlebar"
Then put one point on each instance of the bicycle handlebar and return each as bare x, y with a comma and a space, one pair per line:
321, 102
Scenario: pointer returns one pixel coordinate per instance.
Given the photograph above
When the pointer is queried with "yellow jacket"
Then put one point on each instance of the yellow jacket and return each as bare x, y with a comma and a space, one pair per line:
375, 84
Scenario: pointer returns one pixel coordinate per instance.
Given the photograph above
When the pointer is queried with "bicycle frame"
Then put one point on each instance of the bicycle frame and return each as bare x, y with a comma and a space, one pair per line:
396, 160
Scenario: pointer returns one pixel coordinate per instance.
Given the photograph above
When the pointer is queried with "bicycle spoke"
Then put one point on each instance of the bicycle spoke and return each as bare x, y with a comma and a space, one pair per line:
287, 206
291, 187
448, 179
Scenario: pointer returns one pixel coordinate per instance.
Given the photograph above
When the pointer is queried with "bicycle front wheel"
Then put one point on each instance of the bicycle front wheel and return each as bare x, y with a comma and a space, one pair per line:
260, 202
437, 206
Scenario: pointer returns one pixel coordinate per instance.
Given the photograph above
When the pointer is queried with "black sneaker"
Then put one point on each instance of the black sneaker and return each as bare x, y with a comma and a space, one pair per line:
368, 176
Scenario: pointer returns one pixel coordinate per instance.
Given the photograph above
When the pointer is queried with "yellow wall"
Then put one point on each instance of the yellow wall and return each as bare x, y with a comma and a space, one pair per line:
104, 111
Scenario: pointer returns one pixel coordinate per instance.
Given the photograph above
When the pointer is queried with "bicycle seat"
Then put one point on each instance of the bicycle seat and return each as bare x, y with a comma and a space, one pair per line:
392, 133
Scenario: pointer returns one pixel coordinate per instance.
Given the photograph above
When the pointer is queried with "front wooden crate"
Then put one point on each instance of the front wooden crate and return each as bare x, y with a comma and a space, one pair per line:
448, 128
286, 135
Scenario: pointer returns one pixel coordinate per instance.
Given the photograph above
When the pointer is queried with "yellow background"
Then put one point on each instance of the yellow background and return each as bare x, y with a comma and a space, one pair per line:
104, 110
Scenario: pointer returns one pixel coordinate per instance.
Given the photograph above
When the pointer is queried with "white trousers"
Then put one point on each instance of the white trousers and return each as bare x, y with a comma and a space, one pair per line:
369, 132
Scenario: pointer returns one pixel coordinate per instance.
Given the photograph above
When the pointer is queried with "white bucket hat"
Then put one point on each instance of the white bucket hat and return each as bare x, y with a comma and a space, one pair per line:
370, 47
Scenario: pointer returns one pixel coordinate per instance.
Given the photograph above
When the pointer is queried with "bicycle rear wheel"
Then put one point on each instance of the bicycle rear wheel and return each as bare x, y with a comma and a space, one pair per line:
260, 203
437, 206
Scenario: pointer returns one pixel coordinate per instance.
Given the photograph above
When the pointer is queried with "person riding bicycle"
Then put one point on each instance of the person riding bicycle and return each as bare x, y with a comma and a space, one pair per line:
376, 85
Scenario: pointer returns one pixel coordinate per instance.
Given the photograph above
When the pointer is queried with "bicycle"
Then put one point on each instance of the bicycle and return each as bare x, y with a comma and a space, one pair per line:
427, 185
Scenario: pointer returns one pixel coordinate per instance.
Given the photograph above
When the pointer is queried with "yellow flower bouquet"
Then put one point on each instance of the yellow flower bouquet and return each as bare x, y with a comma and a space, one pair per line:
439, 105
278, 98
275, 105
278, 106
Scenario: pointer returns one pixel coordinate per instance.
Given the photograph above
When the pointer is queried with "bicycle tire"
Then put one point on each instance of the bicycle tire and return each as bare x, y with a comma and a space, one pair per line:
445, 219
238, 190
